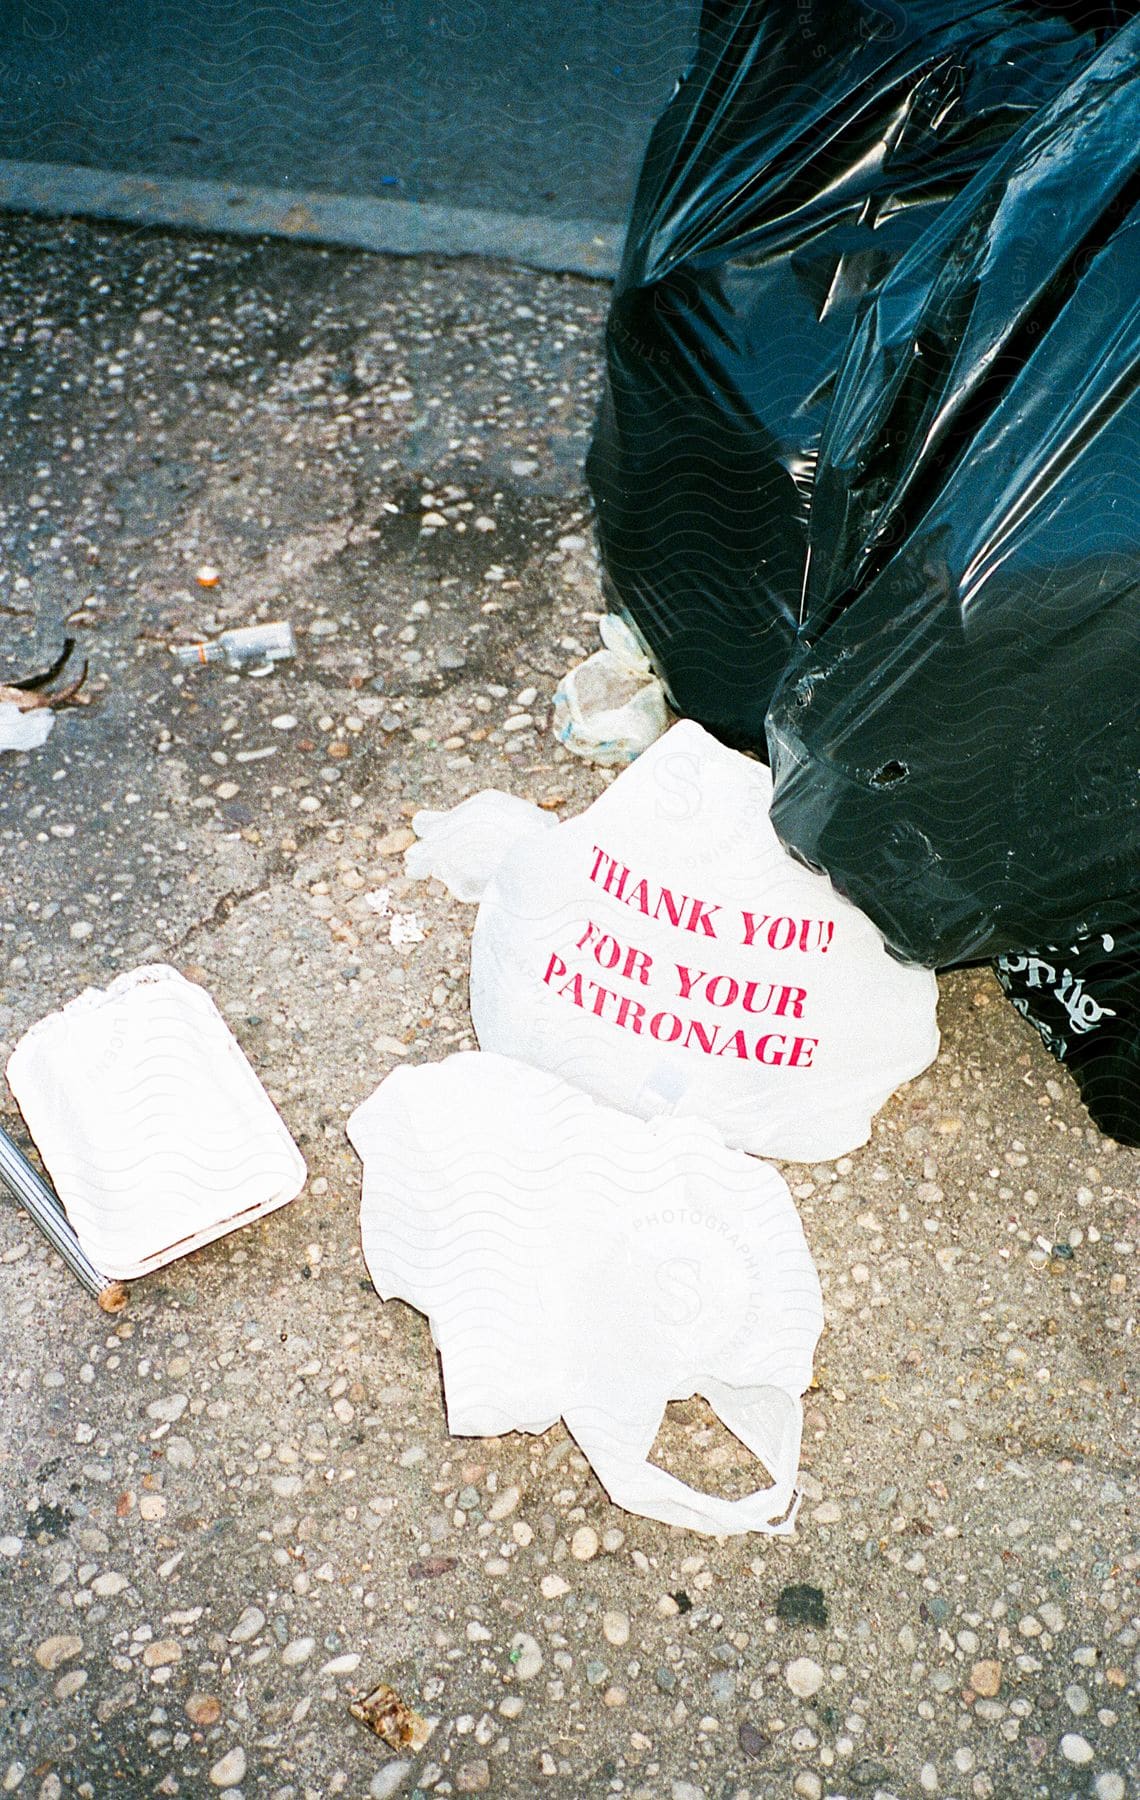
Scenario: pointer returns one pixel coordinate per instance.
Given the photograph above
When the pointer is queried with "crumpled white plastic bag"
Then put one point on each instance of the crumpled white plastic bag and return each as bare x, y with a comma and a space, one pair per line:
665, 953
463, 847
578, 1263
156, 1132
612, 706
24, 729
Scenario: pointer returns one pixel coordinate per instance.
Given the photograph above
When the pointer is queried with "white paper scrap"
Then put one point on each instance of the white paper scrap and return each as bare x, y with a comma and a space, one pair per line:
24, 730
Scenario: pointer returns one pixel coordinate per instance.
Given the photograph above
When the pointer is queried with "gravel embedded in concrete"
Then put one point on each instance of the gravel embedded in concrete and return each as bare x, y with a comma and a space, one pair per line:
236, 1508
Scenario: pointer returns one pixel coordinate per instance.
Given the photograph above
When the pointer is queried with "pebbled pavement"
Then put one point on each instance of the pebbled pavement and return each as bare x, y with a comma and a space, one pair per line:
228, 1513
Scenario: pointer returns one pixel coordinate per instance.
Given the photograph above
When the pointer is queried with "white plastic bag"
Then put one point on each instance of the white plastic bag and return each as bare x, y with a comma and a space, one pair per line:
465, 846
156, 1132
664, 953
611, 707
576, 1262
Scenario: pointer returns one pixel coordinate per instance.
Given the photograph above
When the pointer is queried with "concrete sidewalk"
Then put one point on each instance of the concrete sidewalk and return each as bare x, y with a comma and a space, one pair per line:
226, 1514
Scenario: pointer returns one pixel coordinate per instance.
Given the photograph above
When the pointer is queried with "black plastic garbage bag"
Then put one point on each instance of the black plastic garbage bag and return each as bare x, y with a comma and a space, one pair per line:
807, 148
1084, 1000
957, 740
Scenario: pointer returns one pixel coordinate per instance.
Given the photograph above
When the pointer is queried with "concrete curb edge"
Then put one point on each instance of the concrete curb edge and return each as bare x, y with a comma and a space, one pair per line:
360, 222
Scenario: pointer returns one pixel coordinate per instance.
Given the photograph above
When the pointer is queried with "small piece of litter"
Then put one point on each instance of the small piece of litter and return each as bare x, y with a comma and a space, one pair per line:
405, 929
391, 1718
21, 730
